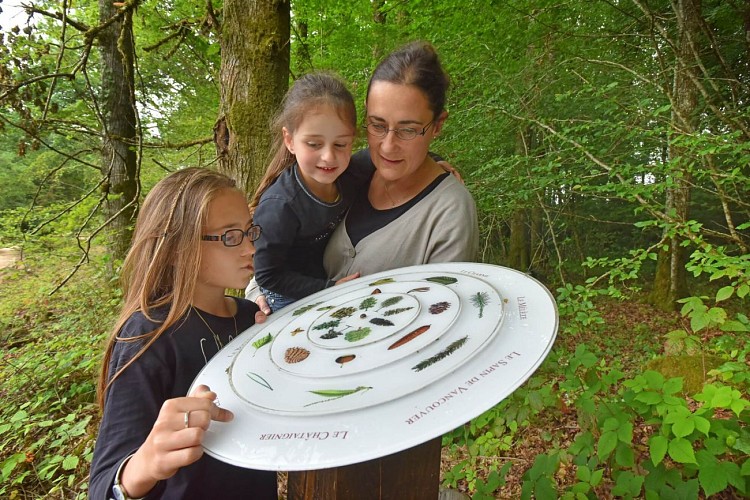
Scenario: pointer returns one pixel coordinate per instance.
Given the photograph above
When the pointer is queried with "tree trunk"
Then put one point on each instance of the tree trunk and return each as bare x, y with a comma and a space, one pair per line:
518, 252
119, 159
254, 78
670, 282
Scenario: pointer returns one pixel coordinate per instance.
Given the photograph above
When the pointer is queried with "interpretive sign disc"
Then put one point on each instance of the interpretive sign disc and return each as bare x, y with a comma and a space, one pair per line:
377, 365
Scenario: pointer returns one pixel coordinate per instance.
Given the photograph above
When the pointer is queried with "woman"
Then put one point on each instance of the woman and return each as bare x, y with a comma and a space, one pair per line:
413, 211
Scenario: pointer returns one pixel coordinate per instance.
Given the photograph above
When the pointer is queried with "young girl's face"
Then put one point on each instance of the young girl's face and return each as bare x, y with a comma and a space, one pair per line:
221, 266
322, 144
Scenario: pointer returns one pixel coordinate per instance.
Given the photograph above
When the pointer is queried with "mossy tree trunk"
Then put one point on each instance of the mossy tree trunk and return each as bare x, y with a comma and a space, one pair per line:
670, 282
119, 163
254, 78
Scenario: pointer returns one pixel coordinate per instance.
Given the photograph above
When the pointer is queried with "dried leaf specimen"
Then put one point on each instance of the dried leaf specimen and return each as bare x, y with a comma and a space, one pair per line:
391, 301
381, 322
262, 341
382, 281
368, 303
344, 312
398, 310
259, 380
358, 334
453, 347
304, 309
443, 280
327, 325
479, 300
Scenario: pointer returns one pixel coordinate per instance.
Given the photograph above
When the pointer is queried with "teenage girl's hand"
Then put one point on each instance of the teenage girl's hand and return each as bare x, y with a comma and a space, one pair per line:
174, 441
260, 316
348, 278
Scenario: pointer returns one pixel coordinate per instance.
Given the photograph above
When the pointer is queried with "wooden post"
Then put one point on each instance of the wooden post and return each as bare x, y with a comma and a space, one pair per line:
412, 474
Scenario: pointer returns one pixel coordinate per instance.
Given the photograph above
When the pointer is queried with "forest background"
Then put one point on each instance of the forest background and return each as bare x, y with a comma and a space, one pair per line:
606, 142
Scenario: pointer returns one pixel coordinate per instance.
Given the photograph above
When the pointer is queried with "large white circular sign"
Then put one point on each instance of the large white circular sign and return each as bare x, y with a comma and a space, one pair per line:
377, 365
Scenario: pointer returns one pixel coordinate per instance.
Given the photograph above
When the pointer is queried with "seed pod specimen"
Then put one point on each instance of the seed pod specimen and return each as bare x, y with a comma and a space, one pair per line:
409, 336
296, 354
345, 359
439, 307
453, 347
376, 291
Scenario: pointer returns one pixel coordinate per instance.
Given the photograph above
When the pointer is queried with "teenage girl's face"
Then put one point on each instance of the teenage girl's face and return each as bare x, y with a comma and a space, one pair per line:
322, 144
225, 267
400, 106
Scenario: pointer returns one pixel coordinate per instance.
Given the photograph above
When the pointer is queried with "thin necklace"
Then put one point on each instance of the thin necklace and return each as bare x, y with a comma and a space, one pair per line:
218, 341
388, 193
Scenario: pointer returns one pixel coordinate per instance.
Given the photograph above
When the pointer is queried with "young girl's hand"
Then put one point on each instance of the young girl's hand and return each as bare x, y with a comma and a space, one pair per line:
347, 278
174, 441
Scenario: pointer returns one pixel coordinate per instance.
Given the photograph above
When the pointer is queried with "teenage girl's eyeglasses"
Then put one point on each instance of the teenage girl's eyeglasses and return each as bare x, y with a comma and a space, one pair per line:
405, 133
234, 237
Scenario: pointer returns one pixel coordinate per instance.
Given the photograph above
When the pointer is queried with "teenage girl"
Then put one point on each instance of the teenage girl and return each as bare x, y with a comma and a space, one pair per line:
193, 240
307, 188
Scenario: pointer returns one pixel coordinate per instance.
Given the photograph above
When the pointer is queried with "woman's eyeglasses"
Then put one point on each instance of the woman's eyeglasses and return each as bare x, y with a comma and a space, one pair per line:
404, 133
234, 237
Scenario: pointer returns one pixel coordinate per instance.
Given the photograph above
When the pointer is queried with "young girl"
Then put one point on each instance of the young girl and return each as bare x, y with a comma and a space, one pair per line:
193, 239
307, 188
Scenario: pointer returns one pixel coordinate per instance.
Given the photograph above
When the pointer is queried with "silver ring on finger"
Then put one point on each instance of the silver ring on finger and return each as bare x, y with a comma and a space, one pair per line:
187, 419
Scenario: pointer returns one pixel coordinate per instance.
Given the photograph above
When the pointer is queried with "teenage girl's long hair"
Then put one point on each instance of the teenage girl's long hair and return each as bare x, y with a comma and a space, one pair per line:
308, 92
160, 269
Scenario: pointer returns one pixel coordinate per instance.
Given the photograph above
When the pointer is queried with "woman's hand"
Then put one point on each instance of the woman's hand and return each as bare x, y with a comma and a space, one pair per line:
174, 441
261, 302
348, 278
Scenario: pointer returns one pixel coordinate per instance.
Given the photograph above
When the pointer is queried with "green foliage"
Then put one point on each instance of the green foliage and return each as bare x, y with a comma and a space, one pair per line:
52, 349
638, 435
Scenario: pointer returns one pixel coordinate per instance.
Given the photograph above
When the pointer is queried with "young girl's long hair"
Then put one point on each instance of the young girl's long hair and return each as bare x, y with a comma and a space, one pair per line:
160, 269
307, 93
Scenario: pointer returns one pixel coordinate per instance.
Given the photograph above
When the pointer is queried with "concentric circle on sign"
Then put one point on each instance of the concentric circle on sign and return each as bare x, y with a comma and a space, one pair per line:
362, 321
347, 410
369, 345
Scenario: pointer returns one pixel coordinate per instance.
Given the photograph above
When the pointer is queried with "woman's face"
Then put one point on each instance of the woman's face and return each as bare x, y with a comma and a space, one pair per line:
397, 106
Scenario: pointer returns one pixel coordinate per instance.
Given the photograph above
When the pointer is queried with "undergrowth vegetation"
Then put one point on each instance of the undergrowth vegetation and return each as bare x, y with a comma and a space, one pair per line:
631, 402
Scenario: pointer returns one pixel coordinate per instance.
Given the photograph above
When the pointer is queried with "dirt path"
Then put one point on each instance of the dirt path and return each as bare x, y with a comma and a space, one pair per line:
9, 256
